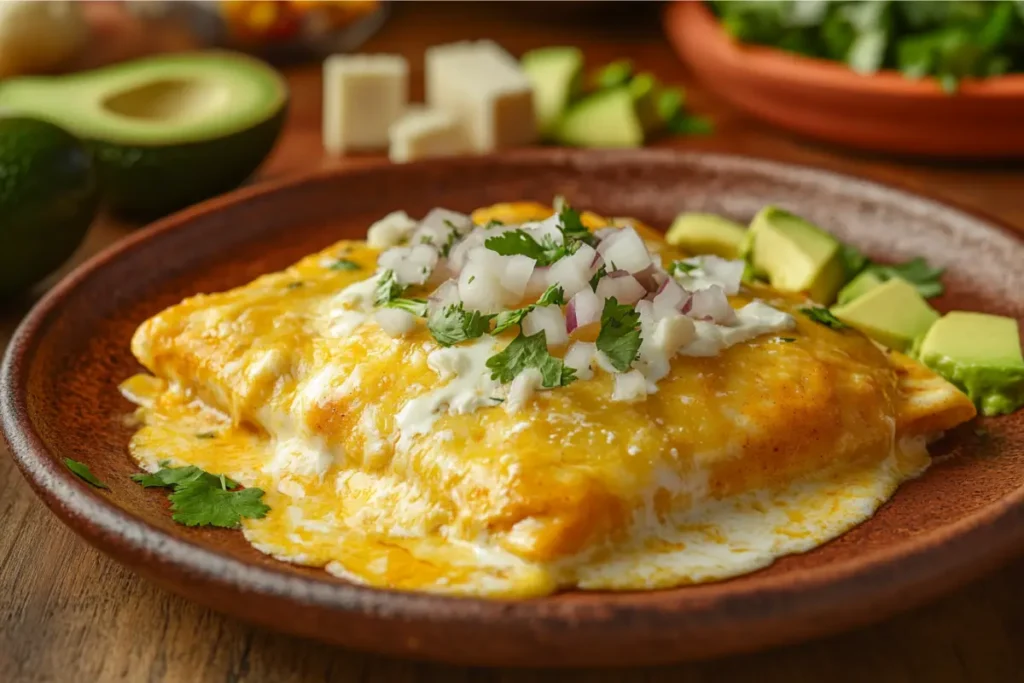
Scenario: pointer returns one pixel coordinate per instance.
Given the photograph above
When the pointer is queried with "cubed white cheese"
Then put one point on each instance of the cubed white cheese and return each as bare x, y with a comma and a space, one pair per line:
422, 133
629, 386
363, 96
482, 86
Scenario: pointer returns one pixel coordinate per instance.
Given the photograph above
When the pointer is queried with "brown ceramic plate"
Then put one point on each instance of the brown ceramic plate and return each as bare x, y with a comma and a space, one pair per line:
884, 112
965, 516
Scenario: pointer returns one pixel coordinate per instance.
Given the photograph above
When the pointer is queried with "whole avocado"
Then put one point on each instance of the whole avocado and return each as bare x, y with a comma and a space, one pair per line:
49, 194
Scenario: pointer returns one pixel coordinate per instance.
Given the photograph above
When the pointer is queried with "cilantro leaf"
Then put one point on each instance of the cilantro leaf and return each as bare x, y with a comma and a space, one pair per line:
201, 504
917, 272
681, 268
601, 272
344, 264
853, 260
387, 288
690, 125
619, 338
530, 352
417, 307
201, 498
552, 296
453, 324
519, 242
82, 471
571, 226
171, 477
823, 316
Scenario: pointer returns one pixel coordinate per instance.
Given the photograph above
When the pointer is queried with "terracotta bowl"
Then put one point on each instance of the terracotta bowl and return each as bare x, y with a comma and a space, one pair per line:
884, 112
59, 399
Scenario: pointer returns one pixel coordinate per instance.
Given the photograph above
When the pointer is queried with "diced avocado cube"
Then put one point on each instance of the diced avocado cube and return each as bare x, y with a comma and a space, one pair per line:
555, 74
981, 354
706, 233
858, 286
795, 255
892, 313
607, 118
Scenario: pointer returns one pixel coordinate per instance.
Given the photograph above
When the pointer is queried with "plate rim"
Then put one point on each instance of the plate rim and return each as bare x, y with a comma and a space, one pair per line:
929, 564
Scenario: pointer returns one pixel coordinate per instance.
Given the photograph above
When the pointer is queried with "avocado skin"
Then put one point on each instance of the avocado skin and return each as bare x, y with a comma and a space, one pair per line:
146, 182
49, 195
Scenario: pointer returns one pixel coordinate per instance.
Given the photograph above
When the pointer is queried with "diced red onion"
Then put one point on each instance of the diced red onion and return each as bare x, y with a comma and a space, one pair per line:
670, 299
550, 320
624, 288
711, 304
625, 250
648, 277
573, 272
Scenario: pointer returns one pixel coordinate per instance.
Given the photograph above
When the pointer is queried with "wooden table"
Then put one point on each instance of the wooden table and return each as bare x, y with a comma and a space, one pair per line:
67, 613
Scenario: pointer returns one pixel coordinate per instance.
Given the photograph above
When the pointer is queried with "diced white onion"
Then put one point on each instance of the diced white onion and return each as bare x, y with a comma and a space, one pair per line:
411, 265
538, 283
395, 321
522, 388
440, 218
629, 386
624, 288
517, 273
625, 250
573, 272
390, 231
579, 357
711, 304
551, 321
480, 287
545, 230
604, 233
585, 307
447, 293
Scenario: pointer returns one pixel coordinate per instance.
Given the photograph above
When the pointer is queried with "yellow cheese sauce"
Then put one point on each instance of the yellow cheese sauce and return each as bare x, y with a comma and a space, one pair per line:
771, 447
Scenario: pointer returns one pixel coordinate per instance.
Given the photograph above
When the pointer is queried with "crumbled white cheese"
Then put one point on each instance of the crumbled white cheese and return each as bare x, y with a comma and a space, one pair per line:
521, 389
449, 362
395, 321
629, 386
363, 95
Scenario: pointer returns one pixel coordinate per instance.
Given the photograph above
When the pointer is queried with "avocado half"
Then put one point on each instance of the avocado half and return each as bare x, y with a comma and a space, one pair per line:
165, 131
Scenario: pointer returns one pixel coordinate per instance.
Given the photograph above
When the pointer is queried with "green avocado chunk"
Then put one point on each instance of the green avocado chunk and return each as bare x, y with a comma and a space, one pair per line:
166, 131
981, 354
555, 74
49, 195
858, 286
795, 255
607, 118
892, 313
706, 233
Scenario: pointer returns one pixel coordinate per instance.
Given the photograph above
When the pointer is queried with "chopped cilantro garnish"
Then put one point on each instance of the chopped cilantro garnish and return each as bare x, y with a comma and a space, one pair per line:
917, 272
619, 338
453, 237
453, 324
601, 272
823, 316
295, 285
200, 498
344, 264
417, 307
82, 471
572, 228
786, 339
387, 289
530, 352
519, 242
493, 223
682, 124
206, 435
552, 296
681, 268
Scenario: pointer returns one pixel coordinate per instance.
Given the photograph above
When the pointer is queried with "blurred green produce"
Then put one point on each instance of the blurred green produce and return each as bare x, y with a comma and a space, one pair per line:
946, 40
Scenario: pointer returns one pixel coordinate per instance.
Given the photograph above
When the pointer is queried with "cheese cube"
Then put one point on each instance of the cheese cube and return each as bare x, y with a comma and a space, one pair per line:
483, 87
423, 133
363, 96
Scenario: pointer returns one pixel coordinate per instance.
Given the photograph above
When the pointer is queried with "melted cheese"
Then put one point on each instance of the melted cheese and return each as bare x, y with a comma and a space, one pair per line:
391, 462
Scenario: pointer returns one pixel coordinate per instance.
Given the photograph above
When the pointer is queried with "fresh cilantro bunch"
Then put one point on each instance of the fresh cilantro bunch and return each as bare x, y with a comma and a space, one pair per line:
947, 40
203, 499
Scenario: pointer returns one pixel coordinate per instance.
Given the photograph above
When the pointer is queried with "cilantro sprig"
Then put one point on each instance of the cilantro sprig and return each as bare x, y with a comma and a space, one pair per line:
926, 279
520, 243
82, 471
203, 499
388, 288
453, 324
417, 307
619, 338
525, 352
823, 316
552, 296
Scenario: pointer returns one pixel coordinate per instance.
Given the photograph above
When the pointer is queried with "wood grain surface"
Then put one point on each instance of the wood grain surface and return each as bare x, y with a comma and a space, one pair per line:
67, 613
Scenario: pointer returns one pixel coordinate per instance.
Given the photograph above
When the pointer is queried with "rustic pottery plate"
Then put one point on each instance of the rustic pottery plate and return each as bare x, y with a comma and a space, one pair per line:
60, 399
884, 112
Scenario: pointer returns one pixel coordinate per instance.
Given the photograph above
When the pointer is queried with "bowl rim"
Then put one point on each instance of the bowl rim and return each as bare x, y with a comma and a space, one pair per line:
696, 23
930, 563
